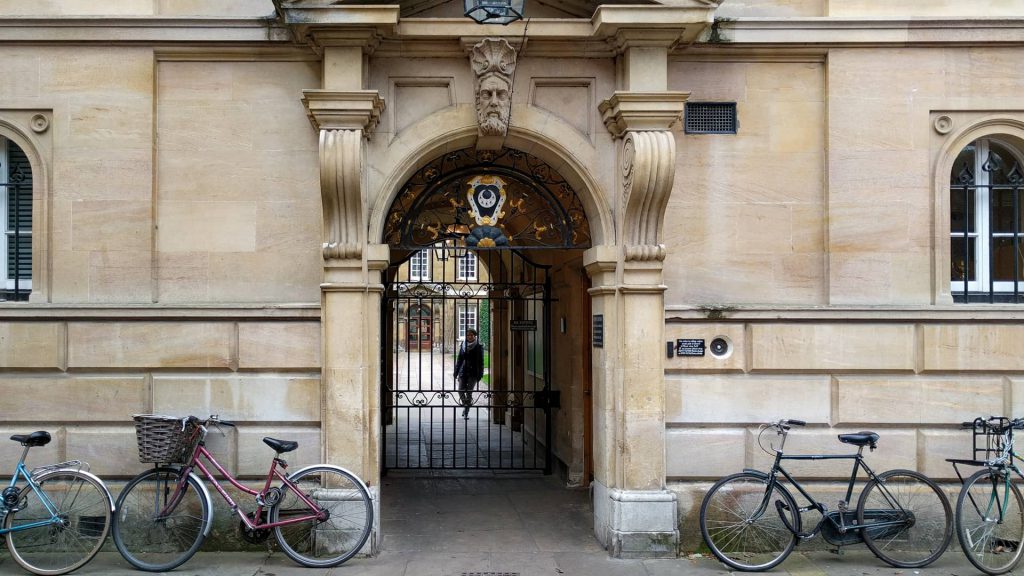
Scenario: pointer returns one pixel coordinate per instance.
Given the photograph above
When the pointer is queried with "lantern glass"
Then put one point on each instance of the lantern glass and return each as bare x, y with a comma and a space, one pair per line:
494, 11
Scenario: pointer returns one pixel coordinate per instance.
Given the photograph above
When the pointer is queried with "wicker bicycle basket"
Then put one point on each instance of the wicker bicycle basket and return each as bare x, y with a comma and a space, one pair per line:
164, 439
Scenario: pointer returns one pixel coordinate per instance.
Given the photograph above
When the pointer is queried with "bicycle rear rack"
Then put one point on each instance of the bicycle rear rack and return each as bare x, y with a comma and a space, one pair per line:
76, 465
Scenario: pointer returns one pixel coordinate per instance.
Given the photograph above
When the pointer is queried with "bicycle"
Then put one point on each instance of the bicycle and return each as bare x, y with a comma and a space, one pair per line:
990, 509
321, 515
751, 522
59, 519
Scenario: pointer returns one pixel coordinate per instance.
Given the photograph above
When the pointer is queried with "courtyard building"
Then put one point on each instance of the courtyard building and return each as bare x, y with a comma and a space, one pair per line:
669, 221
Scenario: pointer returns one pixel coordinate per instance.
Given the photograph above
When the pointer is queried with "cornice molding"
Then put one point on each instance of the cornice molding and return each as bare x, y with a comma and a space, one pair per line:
961, 313
598, 36
641, 111
352, 110
168, 312
145, 29
841, 32
236, 54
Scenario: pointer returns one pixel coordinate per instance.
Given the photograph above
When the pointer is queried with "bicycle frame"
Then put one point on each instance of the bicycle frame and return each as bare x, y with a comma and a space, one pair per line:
1005, 468
316, 513
1004, 463
858, 463
20, 470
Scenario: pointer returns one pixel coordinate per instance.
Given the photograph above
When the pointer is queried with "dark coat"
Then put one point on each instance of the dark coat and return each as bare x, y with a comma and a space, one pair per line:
470, 364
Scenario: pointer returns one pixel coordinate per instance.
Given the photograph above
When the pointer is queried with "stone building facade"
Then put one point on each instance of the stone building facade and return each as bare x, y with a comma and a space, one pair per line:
210, 184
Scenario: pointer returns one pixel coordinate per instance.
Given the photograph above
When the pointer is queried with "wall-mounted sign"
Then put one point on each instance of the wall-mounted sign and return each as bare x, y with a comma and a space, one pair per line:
524, 325
597, 333
689, 347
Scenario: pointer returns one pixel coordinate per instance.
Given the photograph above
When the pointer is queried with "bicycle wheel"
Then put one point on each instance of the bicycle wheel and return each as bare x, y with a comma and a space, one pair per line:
738, 538
990, 521
341, 535
157, 527
82, 505
913, 517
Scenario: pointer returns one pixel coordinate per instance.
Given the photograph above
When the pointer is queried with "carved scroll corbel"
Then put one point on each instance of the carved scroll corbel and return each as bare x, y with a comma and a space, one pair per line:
648, 165
648, 171
344, 120
341, 192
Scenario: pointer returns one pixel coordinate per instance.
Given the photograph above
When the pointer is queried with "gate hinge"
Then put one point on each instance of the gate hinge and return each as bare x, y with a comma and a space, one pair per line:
548, 399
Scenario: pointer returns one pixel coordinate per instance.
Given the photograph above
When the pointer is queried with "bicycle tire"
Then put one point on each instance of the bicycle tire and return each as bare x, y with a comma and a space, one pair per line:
83, 505
915, 499
159, 544
331, 542
735, 539
998, 535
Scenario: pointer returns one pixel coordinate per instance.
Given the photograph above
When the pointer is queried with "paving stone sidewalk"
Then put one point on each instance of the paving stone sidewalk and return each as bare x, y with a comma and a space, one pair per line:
494, 525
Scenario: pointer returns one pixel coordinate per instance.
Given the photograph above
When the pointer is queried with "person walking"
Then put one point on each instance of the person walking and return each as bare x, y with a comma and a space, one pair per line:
469, 369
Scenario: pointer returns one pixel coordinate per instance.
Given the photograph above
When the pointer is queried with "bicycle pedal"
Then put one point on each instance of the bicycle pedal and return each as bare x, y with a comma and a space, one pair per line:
836, 551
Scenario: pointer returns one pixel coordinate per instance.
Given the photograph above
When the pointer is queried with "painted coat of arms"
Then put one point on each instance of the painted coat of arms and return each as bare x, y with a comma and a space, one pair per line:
486, 195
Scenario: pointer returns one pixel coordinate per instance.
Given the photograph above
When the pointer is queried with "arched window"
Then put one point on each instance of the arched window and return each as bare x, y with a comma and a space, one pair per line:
15, 222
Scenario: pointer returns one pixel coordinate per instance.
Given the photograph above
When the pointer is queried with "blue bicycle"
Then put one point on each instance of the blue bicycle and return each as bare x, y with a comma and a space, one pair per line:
57, 521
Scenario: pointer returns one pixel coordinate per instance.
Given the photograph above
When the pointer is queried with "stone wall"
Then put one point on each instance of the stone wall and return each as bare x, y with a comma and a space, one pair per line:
911, 382
83, 379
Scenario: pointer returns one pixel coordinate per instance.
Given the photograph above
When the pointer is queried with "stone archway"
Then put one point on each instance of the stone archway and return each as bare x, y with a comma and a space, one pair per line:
635, 515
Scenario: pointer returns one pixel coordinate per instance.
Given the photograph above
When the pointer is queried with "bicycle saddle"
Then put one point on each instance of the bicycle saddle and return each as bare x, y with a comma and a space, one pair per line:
40, 438
860, 439
280, 446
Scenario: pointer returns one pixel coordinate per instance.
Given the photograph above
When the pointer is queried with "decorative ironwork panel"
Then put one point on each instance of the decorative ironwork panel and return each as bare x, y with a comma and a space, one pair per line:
432, 418
487, 199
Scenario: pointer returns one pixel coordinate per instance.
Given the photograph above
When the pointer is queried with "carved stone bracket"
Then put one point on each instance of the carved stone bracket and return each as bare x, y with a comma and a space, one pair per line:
343, 119
647, 162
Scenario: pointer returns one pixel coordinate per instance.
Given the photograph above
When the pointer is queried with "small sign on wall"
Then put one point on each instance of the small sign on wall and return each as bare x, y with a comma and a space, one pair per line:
524, 325
597, 331
690, 347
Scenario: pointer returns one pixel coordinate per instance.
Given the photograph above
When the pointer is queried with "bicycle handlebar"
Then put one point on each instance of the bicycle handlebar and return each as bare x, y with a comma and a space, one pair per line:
796, 422
994, 424
214, 419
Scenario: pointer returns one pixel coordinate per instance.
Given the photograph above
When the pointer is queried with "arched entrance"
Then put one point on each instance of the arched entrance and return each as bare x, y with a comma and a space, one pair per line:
491, 243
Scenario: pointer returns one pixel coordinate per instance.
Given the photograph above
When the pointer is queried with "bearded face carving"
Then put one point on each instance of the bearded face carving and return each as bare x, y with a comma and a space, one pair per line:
494, 62
492, 106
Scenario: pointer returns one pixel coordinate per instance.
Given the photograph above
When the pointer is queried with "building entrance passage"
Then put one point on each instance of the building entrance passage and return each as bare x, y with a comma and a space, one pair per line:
473, 234
431, 300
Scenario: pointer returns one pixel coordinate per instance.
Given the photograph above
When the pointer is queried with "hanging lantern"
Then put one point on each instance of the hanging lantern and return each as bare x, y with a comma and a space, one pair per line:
494, 11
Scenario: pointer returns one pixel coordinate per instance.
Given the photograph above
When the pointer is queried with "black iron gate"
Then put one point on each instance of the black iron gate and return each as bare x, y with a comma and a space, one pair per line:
432, 297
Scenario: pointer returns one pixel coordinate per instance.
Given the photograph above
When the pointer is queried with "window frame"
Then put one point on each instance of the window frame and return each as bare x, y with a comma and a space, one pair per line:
419, 266
466, 266
7, 234
957, 129
465, 310
981, 217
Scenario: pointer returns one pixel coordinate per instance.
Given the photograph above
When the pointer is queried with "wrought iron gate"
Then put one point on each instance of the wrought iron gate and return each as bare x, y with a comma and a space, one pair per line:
431, 298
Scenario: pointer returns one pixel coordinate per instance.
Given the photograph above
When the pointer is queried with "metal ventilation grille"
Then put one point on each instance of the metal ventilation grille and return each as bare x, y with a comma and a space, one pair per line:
710, 118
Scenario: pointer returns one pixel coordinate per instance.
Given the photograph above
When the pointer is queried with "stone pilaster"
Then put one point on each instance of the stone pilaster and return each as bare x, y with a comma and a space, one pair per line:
635, 516
351, 291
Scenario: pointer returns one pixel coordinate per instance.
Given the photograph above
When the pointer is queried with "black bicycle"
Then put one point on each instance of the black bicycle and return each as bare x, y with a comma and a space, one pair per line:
751, 521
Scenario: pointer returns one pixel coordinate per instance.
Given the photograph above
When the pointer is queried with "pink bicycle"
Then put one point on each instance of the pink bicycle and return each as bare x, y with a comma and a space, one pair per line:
320, 515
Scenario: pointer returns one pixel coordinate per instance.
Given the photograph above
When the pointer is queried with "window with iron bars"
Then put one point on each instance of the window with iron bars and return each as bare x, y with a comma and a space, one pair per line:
15, 222
987, 223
